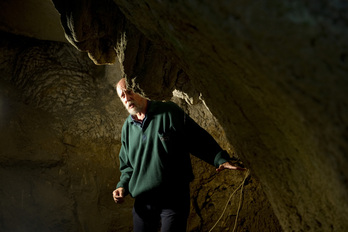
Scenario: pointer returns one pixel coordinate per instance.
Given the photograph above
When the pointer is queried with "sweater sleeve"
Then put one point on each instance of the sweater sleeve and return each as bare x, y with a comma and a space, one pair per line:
125, 168
202, 145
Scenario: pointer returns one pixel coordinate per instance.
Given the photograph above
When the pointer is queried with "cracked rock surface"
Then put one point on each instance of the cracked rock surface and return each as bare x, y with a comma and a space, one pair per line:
272, 74
61, 122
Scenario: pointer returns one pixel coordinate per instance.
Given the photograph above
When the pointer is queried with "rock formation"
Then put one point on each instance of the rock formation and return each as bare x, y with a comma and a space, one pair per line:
272, 74
61, 123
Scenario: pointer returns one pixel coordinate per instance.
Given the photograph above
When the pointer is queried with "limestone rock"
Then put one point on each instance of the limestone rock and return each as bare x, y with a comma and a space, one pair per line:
61, 122
274, 75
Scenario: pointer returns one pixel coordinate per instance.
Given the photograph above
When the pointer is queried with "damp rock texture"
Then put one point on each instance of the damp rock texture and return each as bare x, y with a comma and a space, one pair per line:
273, 73
60, 124
218, 201
60, 127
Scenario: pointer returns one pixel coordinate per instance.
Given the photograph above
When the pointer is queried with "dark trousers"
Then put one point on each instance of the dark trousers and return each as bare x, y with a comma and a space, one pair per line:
163, 210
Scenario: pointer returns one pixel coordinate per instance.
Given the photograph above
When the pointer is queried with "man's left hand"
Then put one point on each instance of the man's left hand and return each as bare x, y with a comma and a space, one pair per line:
229, 165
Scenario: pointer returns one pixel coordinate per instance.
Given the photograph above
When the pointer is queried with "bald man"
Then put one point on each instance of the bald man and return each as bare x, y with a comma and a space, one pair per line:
157, 138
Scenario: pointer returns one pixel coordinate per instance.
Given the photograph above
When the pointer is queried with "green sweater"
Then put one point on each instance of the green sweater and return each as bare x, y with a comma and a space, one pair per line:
156, 152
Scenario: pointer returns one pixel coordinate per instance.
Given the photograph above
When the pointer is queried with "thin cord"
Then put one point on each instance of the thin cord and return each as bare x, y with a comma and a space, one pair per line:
240, 202
229, 199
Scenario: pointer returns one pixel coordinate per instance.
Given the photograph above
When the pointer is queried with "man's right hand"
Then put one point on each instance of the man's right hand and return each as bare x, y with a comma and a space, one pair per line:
119, 195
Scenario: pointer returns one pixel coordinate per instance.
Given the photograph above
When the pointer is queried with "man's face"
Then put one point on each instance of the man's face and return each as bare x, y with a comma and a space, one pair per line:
133, 102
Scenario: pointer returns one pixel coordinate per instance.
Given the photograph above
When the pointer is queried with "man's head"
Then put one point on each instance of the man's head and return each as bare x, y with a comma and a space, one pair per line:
133, 102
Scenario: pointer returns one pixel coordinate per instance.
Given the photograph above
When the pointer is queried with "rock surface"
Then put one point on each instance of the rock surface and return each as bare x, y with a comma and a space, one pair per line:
274, 74
61, 123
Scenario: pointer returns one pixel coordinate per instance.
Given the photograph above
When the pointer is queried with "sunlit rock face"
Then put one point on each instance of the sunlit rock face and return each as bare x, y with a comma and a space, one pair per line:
274, 74
60, 136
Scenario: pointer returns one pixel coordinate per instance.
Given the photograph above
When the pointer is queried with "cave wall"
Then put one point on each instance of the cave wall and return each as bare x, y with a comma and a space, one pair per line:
248, 208
35, 19
60, 124
60, 127
274, 74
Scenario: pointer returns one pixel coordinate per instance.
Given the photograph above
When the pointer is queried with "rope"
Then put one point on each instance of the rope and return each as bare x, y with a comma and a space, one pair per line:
229, 199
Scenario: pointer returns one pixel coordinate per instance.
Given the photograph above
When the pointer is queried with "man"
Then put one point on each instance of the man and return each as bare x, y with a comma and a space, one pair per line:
155, 165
